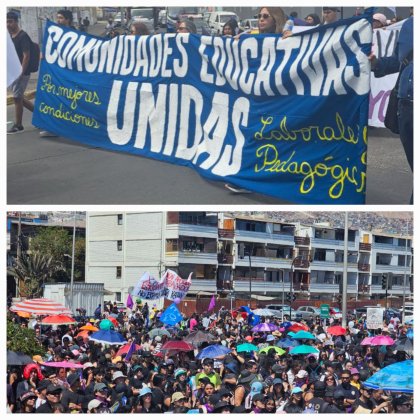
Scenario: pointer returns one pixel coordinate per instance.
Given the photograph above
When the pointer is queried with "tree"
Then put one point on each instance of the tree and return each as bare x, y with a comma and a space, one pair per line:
79, 259
32, 271
56, 243
22, 339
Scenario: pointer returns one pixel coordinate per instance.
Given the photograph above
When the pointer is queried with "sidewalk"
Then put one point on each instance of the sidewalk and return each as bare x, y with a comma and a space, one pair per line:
97, 29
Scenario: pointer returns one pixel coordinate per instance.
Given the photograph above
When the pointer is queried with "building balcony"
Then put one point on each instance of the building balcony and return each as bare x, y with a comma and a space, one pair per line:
186, 257
264, 237
332, 244
226, 233
273, 289
387, 268
333, 266
363, 267
365, 247
225, 259
265, 262
301, 263
203, 285
389, 247
177, 230
363, 289
396, 290
302, 241
331, 288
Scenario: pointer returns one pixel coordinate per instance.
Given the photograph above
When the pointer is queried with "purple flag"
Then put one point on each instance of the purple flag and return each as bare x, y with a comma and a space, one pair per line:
130, 351
130, 302
212, 304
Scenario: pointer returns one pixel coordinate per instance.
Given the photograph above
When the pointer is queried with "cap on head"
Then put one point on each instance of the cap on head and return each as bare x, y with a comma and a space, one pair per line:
94, 404
12, 16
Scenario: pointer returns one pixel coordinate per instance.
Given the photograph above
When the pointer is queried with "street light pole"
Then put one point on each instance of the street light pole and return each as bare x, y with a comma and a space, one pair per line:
72, 262
291, 285
282, 296
250, 284
344, 299
405, 275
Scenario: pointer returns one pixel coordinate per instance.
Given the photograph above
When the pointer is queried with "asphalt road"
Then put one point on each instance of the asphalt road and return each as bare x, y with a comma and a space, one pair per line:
59, 171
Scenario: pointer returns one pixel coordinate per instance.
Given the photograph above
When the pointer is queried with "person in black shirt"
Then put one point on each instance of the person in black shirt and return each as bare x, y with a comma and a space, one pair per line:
22, 44
53, 398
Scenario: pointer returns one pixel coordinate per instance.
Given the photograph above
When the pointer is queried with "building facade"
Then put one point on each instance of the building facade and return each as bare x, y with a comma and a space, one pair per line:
240, 256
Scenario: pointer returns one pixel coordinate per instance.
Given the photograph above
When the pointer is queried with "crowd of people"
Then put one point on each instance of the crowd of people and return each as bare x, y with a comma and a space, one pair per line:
257, 373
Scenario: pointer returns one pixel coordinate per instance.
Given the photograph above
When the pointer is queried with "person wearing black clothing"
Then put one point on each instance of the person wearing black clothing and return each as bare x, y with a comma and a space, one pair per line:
350, 392
70, 399
53, 398
22, 44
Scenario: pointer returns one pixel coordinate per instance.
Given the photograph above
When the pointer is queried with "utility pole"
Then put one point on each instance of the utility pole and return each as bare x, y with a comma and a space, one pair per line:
344, 300
72, 262
405, 274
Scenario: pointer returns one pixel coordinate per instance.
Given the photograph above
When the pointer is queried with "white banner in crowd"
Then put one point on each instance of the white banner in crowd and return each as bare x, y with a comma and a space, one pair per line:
374, 318
149, 288
384, 42
175, 286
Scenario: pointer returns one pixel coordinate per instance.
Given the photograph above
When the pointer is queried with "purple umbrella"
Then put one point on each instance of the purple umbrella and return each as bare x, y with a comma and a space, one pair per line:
265, 327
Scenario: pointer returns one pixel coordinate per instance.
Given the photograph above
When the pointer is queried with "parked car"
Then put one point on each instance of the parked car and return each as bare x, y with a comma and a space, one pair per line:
218, 19
307, 312
118, 21
145, 15
248, 24
285, 311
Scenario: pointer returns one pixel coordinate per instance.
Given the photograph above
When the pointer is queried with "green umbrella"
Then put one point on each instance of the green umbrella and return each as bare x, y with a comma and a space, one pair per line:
304, 349
304, 335
278, 350
159, 331
106, 324
291, 334
248, 347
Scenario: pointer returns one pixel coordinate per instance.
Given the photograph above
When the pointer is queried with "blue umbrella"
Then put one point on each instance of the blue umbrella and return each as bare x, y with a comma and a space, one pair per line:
304, 349
397, 377
410, 333
303, 335
287, 342
286, 324
213, 351
108, 337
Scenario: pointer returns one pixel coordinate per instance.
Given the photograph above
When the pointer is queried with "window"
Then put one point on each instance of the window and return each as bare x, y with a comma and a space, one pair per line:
118, 296
119, 270
119, 245
120, 219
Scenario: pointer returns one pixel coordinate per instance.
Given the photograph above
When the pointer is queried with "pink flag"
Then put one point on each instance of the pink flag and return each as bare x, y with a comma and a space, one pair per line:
212, 304
130, 302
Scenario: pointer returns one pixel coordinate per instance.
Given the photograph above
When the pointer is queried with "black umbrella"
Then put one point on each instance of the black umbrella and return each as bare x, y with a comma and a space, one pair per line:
404, 344
198, 337
17, 358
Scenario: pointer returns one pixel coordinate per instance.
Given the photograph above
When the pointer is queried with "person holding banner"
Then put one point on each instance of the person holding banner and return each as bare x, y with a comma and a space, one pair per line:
186, 26
401, 61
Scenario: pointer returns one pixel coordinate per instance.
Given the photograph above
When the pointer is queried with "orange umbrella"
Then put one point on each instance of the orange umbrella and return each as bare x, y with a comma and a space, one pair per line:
83, 334
89, 328
24, 314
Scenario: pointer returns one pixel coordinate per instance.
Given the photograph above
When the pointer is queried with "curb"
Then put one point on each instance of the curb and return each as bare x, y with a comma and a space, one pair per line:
28, 95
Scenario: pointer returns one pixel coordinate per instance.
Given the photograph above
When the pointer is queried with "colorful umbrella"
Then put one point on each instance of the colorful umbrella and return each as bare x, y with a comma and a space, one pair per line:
397, 377
304, 335
265, 327
367, 341
106, 324
337, 330
58, 320
40, 306
287, 342
23, 314
17, 358
108, 337
159, 331
178, 345
114, 322
83, 334
124, 349
64, 364
89, 328
404, 344
278, 350
198, 337
213, 351
297, 326
382, 340
304, 349
246, 347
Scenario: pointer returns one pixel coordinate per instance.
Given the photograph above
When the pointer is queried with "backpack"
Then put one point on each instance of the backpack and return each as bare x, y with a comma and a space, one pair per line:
34, 55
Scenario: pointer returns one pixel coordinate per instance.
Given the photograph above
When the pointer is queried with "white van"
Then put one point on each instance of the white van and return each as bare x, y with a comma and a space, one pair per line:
218, 19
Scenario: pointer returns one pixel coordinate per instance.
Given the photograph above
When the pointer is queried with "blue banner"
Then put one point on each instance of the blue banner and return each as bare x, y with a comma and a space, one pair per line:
171, 315
283, 117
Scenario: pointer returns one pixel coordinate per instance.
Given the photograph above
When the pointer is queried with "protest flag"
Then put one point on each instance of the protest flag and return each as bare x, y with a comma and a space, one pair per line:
171, 315
212, 304
130, 351
130, 302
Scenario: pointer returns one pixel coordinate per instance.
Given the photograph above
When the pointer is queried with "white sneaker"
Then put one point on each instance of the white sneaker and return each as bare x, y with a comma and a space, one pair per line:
237, 190
45, 133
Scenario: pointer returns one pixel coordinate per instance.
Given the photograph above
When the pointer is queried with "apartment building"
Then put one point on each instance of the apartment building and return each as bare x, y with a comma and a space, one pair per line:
240, 255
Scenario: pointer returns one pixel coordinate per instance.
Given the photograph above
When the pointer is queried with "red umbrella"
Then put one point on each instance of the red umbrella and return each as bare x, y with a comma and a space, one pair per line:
177, 345
40, 307
297, 326
124, 349
114, 321
58, 320
337, 330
